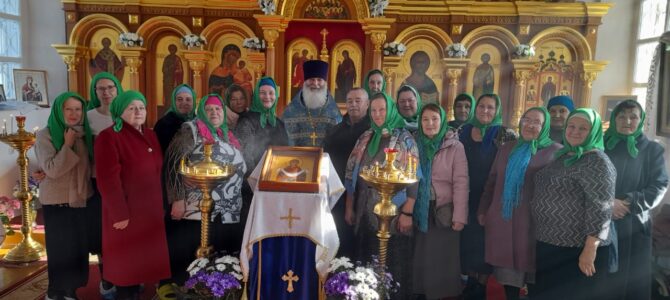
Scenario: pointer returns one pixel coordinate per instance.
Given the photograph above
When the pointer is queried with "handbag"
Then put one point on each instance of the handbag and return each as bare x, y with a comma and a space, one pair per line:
444, 215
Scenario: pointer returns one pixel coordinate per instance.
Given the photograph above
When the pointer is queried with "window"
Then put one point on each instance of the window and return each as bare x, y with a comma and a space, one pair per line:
653, 16
10, 44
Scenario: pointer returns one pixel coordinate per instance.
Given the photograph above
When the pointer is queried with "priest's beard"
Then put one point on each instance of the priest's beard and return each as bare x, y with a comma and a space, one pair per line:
314, 98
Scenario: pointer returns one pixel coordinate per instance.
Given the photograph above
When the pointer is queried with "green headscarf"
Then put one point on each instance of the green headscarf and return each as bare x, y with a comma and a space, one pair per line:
612, 135
543, 140
268, 115
57, 125
119, 105
497, 119
366, 85
419, 104
431, 145
173, 106
393, 120
202, 116
473, 104
593, 141
94, 101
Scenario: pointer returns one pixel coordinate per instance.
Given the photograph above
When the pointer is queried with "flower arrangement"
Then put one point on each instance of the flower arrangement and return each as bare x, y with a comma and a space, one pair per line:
131, 39
215, 278
7, 207
267, 6
357, 282
191, 40
254, 43
377, 7
394, 48
457, 50
523, 51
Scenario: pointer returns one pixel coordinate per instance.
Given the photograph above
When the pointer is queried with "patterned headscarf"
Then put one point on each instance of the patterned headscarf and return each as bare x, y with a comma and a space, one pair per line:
497, 118
119, 105
268, 115
419, 104
593, 141
94, 101
518, 163
207, 130
427, 149
173, 107
57, 125
366, 84
393, 120
612, 135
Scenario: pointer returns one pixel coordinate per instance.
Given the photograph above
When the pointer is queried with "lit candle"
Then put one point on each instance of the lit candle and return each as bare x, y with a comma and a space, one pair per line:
4, 129
36, 129
4, 125
11, 123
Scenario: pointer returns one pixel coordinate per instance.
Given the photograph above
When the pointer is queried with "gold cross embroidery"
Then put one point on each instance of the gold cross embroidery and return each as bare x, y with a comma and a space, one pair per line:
289, 218
313, 136
290, 278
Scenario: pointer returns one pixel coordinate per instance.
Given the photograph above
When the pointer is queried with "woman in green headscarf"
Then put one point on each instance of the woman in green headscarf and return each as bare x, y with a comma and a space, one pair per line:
572, 208
409, 104
441, 208
64, 152
481, 137
260, 127
464, 110
104, 89
182, 109
641, 183
128, 162
209, 127
374, 82
504, 210
387, 132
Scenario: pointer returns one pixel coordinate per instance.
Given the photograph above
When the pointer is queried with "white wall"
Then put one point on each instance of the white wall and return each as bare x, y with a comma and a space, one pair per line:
43, 24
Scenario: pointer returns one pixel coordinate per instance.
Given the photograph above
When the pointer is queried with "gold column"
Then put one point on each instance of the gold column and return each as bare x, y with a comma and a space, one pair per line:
389, 68
272, 25
375, 29
590, 70
453, 67
197, 61
133, 57
523, 69
73, 56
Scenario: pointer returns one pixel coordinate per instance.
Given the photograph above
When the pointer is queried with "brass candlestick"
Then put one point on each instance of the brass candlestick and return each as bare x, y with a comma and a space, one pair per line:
28, 250
388, 179
205, 175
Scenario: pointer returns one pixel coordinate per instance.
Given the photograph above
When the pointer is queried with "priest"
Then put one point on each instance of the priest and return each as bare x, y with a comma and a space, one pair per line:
313, 110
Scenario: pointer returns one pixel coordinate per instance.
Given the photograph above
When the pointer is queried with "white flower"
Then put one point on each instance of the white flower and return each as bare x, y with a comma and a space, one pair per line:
267, 6
130, 39
192, 40
523, 50
387, 53
457, 50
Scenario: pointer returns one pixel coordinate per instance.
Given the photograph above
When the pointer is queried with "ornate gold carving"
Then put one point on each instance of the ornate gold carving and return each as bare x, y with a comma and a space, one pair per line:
558, 20
490, 19
588, 78
454, 76
71, 61
456, 29
169, 11
71, 17
197, 67
133, 19
570, 35
133, 64
521, 76
229, 13
271, 35
592, 31
97, 8
196, 21
378, 38
413, 18
524, 29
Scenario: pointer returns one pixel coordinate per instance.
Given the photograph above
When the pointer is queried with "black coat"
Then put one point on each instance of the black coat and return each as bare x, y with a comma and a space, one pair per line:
166, 128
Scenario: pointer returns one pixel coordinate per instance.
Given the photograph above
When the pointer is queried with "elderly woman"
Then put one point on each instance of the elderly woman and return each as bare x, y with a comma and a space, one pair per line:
464, 110
571, 207
559, 108
260, 128
182, 109
441, 208
504, 210
641, 183
64, 151
387, 131
481, 137
409, 104
236, 104
374, 82
209, 127
128, 163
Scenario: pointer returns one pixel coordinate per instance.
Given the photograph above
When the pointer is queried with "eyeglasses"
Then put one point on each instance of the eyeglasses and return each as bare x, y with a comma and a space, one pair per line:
531, 122
103, 89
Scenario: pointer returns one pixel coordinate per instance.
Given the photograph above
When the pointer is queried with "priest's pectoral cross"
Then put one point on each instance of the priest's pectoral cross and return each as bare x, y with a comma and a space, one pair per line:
290, 278
289, 218
313, 136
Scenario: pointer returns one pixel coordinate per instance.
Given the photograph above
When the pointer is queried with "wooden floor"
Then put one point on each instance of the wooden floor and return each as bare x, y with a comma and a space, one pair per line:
16, 281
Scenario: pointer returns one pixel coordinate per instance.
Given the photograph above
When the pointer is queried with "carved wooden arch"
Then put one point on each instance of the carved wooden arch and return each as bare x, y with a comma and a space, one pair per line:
156, 25
288, 8
502, 35
87, 26
568, 36
426, 31
223, 26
